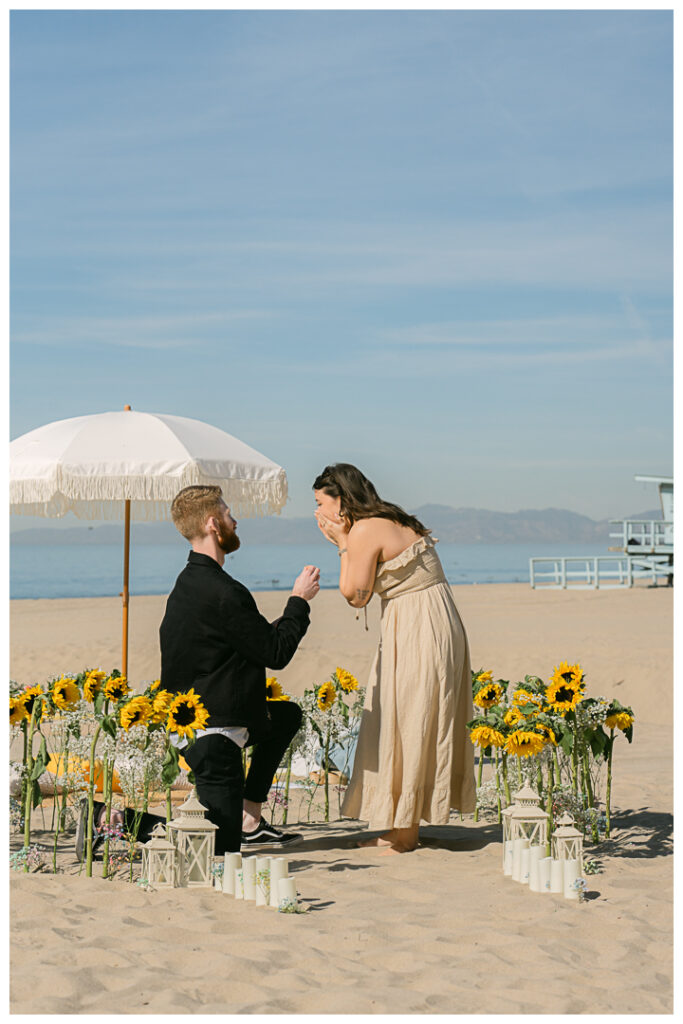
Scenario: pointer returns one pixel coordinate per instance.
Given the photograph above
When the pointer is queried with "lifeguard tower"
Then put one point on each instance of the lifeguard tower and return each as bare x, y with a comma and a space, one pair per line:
646, 551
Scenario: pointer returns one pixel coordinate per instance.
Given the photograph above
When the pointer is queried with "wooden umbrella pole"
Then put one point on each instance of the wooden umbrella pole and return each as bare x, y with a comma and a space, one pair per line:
124, 594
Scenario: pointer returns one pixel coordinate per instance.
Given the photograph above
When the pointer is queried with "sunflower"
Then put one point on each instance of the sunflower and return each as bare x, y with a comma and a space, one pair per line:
186, 714
547, 733
93, 684
161, 706
512, 717
485, 736
566, 673
619, 720
155, 685
563, 695
273, 689
116, 688
326, 695
17, 710
488, 695
524, 743
484, 677
136, 712
347, 682
65, 693
29, 696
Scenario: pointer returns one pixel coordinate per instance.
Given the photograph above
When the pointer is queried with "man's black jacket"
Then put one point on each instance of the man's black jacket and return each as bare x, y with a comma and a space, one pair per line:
214, 639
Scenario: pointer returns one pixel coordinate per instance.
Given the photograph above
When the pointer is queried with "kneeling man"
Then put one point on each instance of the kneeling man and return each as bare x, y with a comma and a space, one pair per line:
214, 640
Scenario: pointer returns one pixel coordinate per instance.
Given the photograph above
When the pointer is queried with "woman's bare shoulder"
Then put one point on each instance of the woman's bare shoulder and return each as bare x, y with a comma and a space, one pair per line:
368, 533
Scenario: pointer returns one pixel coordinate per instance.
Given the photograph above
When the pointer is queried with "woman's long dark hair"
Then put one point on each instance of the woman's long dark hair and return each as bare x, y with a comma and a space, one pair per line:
359, 499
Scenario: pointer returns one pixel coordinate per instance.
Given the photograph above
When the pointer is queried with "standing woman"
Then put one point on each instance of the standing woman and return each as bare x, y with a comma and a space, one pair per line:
414, 761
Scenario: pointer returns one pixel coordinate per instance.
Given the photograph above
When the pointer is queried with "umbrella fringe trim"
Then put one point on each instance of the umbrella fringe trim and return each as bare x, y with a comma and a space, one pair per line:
89, 498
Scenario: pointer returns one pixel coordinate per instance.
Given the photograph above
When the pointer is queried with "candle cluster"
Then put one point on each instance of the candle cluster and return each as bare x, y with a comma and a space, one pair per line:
530, 859
265, 880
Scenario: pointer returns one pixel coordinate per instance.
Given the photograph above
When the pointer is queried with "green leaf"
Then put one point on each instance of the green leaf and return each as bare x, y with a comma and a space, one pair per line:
567, 741
598, 740
36, 795
628, 733
40, 762
170, 766
109, 725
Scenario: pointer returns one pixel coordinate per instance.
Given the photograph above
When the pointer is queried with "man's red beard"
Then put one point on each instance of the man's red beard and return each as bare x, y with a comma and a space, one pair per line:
227, 542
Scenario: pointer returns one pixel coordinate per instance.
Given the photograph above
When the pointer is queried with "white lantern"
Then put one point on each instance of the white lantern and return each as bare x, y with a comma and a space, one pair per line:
194, 838
568, 841
158, 859
528, 820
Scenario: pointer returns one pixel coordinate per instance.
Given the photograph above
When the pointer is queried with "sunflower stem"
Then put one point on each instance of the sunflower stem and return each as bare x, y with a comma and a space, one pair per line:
575, 760
500, 816
608, 794
327, 771
91, 802
24, 761
288, 777
506, 784
61, 760
108, 794
591, 797
520, 780
558, 771
479, 773
29, 782
549, 804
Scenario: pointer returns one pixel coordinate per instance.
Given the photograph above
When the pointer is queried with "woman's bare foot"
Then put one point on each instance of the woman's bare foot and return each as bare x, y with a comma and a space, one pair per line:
383, 840
397, 840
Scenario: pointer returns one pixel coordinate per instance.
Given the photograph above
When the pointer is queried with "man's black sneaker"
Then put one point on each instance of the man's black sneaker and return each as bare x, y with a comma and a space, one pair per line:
267, 835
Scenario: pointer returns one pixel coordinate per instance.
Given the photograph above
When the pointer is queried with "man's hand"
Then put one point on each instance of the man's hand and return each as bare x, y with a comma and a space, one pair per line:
307, 583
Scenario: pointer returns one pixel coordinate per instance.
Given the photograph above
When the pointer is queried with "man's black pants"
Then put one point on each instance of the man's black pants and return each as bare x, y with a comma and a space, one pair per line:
216, 763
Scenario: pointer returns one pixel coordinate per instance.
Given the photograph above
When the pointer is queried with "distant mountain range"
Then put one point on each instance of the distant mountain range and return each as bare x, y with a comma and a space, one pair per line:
450, 525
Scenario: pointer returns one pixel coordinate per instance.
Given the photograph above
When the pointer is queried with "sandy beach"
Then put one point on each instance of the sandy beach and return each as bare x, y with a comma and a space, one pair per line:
440, 930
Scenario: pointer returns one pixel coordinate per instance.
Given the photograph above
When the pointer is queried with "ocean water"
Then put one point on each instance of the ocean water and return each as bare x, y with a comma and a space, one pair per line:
96, 570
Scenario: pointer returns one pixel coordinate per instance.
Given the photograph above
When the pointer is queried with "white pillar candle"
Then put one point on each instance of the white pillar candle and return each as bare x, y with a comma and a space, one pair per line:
249, 877
286, 888
262, 881
507, 857
571, 873
535, 856
278, 869
556, 876
517, 846
239, 884
544, 874
231, 862
524, 865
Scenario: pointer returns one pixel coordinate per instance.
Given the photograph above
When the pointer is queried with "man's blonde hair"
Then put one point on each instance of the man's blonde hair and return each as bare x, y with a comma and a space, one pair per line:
192, 506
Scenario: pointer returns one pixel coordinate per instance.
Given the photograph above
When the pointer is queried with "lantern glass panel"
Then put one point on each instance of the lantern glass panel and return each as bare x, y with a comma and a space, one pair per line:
161, 867
197, 859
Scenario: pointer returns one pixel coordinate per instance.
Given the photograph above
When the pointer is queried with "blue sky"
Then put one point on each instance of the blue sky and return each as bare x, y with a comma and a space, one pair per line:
437, 244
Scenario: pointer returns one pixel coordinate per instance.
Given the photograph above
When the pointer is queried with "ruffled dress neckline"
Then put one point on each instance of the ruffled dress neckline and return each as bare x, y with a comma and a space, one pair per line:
406, 556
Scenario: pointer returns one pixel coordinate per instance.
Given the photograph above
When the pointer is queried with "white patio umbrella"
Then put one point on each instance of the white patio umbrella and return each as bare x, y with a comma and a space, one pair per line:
130, 465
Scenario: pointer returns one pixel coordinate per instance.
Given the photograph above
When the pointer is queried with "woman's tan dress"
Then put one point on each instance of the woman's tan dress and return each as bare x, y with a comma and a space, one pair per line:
414, 760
